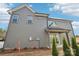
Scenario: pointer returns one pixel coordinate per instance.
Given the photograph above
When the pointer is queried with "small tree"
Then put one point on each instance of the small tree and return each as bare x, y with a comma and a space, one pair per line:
66, 48
77, 51
54, 48
74, 45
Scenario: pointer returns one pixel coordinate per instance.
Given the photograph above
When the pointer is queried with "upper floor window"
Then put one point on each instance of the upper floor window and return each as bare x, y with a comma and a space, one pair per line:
54, 23
29, 19
14, 18
51, 23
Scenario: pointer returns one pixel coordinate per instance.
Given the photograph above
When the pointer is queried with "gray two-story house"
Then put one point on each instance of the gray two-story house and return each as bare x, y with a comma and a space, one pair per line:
29, 29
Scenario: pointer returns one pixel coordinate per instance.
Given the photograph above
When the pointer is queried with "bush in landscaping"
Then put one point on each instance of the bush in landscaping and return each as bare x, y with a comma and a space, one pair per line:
66, 48
54, 48
15, 49
25, 48
1, 49
77, 51
74, 46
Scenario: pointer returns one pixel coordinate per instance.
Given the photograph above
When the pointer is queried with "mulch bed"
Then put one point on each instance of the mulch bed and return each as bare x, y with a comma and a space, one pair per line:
26, 52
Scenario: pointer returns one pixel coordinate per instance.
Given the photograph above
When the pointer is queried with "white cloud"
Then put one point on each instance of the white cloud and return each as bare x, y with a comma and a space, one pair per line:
10, 4
4, 21
56, 7
66, 8
50, 9
75, 24
3, 11
3, 5
30, 5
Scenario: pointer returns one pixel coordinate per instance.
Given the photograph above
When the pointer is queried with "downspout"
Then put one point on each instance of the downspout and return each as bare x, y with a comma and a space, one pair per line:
48, 33
47, 22
72, 29
67, 38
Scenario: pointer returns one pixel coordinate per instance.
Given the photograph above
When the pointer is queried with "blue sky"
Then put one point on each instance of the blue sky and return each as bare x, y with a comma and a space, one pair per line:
56, 10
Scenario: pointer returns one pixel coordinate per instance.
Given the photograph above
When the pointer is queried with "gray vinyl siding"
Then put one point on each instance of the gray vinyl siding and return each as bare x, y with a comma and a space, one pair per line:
22, 30
65, 25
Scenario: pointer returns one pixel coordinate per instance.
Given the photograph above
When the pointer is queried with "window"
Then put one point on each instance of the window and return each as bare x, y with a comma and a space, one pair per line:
55, 23
29, 19
52, 23
14, 18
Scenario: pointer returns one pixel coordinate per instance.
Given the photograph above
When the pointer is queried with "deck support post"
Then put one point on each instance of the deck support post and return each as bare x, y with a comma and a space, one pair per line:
67, 38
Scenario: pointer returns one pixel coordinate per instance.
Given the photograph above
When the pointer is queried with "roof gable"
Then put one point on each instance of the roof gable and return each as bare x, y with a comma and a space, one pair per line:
20, 7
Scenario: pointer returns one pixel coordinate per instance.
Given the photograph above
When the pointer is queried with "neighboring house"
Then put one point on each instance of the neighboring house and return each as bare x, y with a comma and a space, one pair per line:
35, 30
2, 34
77, 39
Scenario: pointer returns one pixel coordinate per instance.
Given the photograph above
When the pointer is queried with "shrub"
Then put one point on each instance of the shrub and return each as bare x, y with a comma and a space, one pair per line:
25, 48
77, 51
74, 45
54, 48
15, 49
34, 48
1, 49
66, 48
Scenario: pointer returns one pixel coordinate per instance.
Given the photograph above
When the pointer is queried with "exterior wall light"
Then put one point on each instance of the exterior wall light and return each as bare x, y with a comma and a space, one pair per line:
30, 38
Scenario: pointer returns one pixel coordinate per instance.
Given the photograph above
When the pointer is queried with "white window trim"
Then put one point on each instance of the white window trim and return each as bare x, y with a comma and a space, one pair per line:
16, 17
30, 19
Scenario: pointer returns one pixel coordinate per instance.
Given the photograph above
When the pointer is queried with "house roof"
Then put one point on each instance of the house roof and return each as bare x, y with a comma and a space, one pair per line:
60, 19
41, 14
35, 13
56, 30
19, 7
25, 5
